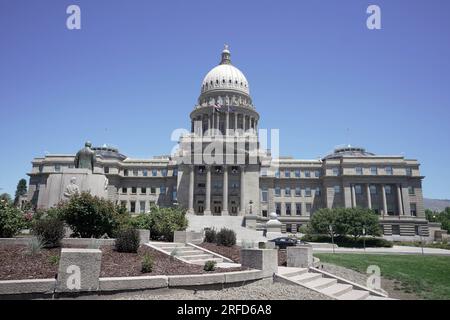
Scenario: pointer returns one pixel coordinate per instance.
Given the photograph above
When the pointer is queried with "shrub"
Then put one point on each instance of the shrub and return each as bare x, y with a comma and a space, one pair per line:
11, 220
349, 242
127, 240
210, 265
147, 263
142, 221
163, 222
54, 259
226, 237
50, 230
90, 216
210, 235
34, 246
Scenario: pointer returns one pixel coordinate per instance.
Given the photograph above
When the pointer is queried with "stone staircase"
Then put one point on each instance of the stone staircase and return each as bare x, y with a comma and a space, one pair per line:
186, 252
334, 287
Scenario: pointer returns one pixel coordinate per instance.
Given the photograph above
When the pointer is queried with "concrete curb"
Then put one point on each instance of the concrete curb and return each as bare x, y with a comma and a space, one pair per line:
29, 286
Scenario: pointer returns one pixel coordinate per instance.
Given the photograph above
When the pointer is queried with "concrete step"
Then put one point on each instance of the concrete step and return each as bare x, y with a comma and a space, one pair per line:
321, 283
200, 256
203, 261
337, 289
354, 295
294, 273
306, 277
189, 253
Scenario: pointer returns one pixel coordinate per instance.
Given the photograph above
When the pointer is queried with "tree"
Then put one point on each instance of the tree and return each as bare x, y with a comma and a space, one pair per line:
21, 190
5, 197
163, 222
353, 221
11, 219
321, 221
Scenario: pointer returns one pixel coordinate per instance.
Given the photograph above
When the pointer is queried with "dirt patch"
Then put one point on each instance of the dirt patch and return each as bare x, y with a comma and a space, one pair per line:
17, 264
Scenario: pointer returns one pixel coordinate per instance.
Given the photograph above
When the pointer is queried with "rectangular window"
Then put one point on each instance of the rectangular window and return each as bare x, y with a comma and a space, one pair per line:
135, 173
133, 190
133, 206
287, 192
358, 189
389, 171
373, 171
358, 171
297, 173
106, 169
411, 191
278, 208
123, 204
298, 192
308, 208
298, 209
317, 173
373, 189
335, 171
152, 190
175, 172
124, 190
264, 195
307, 174
417, 230
337, 189
277, 174
277, 192
125, 172
408, 171
318, 191
288, 209
174, 194
264, 172
154, 172
264, 213
145, 172
143, 190
288, 227
142, 206
287, 174
413, 208
164, 172
388, 189
162, 190
57, 167
308, 192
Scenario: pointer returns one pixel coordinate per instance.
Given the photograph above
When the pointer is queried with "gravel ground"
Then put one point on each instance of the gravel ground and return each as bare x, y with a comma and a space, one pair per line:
392, 287
260, 290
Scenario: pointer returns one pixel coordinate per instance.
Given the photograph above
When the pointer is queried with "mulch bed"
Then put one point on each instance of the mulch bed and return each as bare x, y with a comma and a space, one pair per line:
17, 264
233, 252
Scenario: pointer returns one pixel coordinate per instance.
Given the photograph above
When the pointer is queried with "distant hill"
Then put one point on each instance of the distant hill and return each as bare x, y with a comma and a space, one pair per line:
435, 204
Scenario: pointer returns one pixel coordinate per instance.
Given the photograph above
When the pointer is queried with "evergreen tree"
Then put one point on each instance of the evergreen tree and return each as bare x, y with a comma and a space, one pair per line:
21, 190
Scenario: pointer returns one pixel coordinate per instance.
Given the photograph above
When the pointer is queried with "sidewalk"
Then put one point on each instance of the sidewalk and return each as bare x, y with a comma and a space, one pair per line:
393, 250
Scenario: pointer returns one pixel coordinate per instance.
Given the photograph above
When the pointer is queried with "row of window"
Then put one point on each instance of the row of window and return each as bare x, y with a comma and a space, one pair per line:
307, 192
146, 172
296, 173
143, 207
293, 209
143, 190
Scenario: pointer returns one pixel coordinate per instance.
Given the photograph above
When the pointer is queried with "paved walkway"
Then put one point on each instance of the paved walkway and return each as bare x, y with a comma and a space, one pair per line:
393, 250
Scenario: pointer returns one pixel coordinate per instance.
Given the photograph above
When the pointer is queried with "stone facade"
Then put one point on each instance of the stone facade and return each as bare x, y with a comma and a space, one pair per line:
247, 181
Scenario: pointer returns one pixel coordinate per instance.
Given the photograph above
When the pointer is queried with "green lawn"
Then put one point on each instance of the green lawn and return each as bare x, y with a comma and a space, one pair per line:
426, 276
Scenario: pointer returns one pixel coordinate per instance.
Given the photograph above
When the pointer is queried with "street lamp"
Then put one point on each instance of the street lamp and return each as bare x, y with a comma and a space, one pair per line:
364, 238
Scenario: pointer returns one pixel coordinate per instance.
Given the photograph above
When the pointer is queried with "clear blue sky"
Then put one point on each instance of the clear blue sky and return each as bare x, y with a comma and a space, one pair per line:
133, 73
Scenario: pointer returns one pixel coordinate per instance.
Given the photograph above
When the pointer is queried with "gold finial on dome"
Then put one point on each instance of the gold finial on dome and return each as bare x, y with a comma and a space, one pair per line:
226, 55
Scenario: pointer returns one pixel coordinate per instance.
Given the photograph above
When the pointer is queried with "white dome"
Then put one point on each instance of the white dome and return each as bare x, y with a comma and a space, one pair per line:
225, 76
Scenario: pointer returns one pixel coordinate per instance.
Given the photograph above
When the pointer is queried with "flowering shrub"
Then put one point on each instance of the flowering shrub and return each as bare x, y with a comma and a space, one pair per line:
11, 220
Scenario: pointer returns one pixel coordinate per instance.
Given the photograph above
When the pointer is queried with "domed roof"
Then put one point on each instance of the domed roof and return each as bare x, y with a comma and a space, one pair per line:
348, 151
225, 77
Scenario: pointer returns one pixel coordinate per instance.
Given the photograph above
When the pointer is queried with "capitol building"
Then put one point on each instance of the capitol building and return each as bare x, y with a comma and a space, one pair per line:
220, 169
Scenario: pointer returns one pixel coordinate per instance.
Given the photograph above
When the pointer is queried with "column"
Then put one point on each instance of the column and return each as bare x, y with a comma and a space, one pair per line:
227, 123
191, 190
218, 120
383, 194
399, 199
353, 196
235, 123
369, 197
209, 125
225, 191
242, 206
208, 191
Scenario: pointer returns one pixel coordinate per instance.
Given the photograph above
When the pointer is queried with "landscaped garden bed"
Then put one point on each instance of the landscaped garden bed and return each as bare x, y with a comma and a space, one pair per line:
18, 264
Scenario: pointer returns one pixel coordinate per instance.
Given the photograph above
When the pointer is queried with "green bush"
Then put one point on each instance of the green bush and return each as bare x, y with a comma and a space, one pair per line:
90, 216
50, 230
142, 221
349, 242
147, 263
11, 220
127, 240
210, 265
210, 235
163, 222
226, 237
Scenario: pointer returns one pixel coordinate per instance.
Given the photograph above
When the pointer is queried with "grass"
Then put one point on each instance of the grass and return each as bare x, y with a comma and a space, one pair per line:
426, 276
